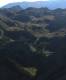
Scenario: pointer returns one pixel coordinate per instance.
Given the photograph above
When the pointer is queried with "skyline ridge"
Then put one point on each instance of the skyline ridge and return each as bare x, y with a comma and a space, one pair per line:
38, 4
2, 3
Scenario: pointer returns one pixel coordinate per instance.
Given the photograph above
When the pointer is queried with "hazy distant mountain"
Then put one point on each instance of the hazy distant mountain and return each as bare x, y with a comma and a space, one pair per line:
17, 7
38, 4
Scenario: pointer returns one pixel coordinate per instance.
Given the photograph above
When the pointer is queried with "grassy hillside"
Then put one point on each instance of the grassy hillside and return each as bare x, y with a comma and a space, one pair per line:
32, 44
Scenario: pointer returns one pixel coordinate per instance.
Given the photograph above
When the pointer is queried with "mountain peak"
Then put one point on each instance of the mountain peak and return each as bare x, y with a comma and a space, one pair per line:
38, 4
